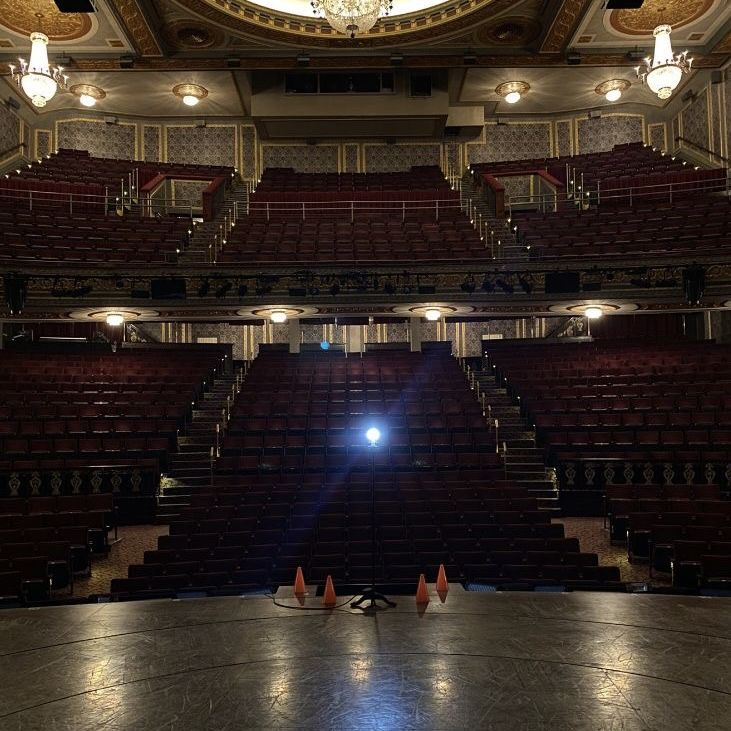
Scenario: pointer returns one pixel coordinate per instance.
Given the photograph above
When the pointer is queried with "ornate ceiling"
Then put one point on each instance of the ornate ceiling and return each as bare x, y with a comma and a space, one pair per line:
487, 39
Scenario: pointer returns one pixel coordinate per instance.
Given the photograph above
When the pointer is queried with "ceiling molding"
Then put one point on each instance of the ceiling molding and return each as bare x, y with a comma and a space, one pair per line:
137, 28
564, 25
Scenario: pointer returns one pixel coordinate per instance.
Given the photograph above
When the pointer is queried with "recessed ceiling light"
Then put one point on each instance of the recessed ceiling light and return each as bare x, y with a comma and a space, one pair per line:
88, 94
613, 95
612, 89
432, 314
512, 91
190, 94
87, 100
114, 319
278, 316
593, 313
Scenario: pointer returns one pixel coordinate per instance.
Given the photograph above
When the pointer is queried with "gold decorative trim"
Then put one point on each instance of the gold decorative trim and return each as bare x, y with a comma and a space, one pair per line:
606, 86
89, 89
509, 87
139, 32
196, 90
564, 25
94, 120
642, 21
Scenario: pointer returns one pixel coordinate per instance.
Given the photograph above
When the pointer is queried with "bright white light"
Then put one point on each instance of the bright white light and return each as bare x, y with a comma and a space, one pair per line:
114, 319
87, 100
278, 316
38, 83
190, 100
613, 95
373, 435
432, 314
593, 313
513, 97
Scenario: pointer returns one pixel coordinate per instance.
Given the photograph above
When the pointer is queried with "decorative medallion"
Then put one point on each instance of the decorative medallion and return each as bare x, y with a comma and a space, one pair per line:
605, 87
94, 92
643, 21
22, 18
195, 91
190, 34
510, 32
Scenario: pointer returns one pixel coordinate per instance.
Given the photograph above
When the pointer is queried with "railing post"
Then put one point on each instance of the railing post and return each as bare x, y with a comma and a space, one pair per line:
71, 202
497, 442
437, 209
218, 443
267, 210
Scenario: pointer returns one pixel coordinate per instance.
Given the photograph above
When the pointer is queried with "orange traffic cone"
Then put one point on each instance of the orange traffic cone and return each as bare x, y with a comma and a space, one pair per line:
442, 583
299, 583
422, 595
328, 598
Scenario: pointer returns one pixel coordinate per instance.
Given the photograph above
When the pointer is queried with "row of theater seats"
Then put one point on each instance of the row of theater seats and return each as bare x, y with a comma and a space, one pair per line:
692, 226
287, 180
46, 541
57, 234
120, 394
387, 235
78, 166
255, 529
577, 395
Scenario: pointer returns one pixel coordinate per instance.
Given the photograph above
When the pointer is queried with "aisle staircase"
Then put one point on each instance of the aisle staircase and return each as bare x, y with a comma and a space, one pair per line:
207, 237
498, 237
190, 467
523, 461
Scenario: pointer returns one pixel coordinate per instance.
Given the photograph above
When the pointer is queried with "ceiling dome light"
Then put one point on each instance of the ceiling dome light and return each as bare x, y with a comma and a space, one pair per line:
278, 317
87, 100
114, 319
593, 313
432, 314
36, 78
88, 94
190, 94
613, 89
663, 72
512, 91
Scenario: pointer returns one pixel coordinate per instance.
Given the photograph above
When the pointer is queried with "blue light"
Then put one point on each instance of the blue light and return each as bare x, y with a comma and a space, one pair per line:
325, 345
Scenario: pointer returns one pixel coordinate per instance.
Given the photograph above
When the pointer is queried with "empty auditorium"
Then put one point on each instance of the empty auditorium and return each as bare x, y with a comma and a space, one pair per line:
365, 364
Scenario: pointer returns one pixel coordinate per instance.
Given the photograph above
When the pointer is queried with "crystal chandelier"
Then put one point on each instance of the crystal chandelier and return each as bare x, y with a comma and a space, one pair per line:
663, 73
351, 17
36, 78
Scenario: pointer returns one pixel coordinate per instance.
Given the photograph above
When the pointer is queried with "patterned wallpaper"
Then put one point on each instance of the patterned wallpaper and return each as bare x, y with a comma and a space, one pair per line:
676, 133
151, 144
564, 138
9, 130
99, 138
394, 158
516, 185
514, 141
695, 120
185, 191
727, 97
43, 142
248, 150
452, 156
716, 102
212, 145
224, 333
601, 134
475, 330
350, 158
311, 333
657, 136
397, 332
303, 158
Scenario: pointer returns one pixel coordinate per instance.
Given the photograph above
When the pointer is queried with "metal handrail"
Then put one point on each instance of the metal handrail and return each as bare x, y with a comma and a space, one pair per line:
702, 149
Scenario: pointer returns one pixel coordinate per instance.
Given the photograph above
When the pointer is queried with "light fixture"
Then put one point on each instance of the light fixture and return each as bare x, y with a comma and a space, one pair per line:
88, 94
593, 313
351, 17
190, 94
512, 91
432, 314
36, 78
663, 72
613, 89
278, 316
114, 319
373, 434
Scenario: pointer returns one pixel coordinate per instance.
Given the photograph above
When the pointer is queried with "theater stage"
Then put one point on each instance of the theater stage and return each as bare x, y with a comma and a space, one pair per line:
477, 661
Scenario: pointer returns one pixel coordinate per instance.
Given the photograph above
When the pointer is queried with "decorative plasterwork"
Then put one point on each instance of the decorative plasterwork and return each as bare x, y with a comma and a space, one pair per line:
139, 32
564, 25
22, 18
263, 23
642, 21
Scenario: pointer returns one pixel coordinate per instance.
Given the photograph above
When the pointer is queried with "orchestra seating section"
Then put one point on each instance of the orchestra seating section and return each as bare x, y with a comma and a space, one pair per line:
46, 541
62, 412
294, 487
653, 404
